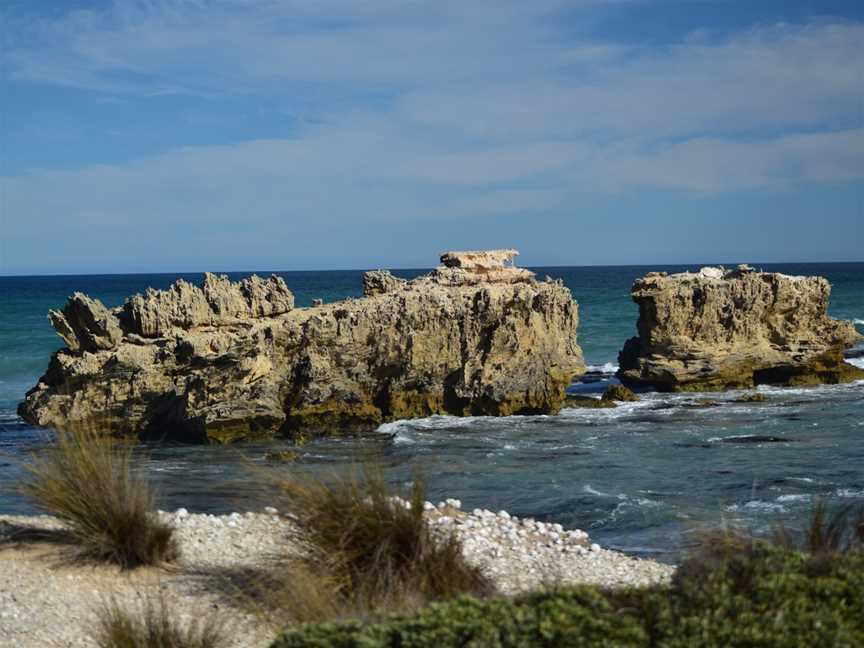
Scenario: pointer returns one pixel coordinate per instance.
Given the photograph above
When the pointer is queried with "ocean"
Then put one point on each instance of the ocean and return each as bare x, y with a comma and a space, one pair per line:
642, 478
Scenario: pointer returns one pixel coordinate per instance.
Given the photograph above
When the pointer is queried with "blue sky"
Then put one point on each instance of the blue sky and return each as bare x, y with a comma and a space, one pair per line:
185, 135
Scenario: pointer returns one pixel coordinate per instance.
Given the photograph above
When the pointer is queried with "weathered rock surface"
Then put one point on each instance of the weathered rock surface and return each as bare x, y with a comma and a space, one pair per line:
717, 329
378, 282
235, 360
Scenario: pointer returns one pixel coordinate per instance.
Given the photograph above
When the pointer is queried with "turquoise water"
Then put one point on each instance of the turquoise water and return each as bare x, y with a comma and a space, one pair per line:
640, 478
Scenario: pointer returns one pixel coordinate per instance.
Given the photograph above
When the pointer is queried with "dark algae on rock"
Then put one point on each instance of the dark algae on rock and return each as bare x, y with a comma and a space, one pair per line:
729, 329
236, 360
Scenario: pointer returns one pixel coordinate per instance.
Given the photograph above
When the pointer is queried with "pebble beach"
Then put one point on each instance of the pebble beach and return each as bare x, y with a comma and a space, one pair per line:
48, 600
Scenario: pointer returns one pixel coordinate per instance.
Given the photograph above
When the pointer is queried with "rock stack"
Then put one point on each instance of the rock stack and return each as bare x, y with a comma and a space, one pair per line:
228, 361
718, 328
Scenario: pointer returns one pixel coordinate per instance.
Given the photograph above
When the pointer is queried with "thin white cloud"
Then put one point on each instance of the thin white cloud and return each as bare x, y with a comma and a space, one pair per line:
480, 108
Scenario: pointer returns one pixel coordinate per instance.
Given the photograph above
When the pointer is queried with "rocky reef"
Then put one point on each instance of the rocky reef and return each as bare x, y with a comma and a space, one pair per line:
718, 328
228, 361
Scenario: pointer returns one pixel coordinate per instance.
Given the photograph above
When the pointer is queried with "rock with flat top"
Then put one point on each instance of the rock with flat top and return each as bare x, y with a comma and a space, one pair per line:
235, 360
479, 260
717, 329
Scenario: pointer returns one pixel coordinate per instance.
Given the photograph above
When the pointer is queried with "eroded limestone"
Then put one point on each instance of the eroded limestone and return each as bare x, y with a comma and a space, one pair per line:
230, 361
717, 329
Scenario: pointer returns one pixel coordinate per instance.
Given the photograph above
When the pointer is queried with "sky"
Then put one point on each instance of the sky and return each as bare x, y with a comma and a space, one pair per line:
191, 135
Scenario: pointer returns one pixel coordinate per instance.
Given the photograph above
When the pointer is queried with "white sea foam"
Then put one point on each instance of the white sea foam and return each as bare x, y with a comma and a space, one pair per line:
757, 506
849, 493
607, 368
858, 362
795, 497
591, 491
622, 409
858, 321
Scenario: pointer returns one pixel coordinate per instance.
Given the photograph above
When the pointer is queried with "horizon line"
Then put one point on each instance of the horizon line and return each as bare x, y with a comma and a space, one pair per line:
394, 268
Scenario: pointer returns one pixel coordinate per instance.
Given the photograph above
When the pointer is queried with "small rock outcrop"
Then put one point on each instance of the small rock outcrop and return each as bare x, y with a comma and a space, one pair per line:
717, 329
228, 361
378, 282
620, 394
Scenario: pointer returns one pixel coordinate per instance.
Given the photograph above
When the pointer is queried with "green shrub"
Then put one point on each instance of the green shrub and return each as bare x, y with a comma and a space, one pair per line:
734, 591
153, 626
86, 481
578, 618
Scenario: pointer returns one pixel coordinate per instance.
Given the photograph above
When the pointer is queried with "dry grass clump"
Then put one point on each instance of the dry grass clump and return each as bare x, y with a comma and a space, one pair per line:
370, 550
154, 626
86, 481
827, 535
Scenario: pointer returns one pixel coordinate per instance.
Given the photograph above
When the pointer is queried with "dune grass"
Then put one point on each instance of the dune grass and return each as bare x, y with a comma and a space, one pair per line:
370, 550
154, 626
86, 480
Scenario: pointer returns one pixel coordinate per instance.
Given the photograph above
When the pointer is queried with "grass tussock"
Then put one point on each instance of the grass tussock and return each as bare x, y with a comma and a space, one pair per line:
154, 626
370, 551
733, 590
86, 480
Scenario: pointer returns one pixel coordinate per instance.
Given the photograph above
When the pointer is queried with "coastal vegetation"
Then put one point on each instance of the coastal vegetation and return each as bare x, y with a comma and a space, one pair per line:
154, 625
733, 590
87, 481
369, 549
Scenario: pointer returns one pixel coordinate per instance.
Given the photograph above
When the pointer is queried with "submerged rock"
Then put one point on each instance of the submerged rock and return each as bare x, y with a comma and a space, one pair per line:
755, 397
619, 393
588, 402
718, 329
228, 361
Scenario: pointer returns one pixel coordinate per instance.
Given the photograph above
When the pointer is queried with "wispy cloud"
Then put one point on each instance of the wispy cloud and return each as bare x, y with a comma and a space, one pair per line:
406, 110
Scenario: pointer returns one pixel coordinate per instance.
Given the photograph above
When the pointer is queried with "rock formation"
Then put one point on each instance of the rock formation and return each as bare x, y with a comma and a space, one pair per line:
717, 329
228, 361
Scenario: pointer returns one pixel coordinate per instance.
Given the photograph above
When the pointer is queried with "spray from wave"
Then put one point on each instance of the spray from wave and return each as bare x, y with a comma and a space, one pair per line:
607, 368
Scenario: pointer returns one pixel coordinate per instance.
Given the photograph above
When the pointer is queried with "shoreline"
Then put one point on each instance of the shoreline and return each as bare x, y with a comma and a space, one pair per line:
46, 600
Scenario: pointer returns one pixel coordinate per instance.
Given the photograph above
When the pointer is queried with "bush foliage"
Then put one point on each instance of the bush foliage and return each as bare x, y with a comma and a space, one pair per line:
734, 591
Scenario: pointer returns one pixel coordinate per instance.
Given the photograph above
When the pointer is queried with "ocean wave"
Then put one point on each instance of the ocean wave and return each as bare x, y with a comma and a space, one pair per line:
606, 368
429, 423
795, 497
857, 362
849, 493
622, 409
592, 491
757, 506
858, 321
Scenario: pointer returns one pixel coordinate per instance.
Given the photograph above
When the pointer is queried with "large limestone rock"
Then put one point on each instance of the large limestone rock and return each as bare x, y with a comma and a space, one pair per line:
229, 361
717, 329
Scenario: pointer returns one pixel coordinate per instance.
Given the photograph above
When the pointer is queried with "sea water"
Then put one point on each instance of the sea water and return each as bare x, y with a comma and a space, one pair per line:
642, 478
